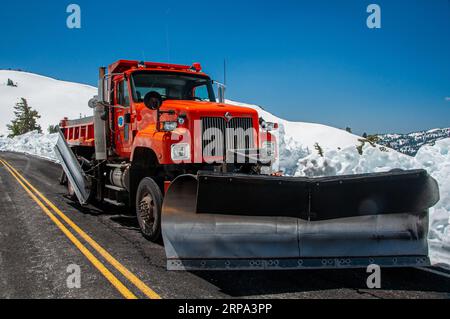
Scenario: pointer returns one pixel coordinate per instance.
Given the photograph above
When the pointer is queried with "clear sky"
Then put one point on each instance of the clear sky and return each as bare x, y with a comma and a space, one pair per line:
313, 61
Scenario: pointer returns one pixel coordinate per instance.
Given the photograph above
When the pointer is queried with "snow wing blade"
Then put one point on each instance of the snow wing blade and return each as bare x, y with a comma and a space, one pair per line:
373, 194
316, 199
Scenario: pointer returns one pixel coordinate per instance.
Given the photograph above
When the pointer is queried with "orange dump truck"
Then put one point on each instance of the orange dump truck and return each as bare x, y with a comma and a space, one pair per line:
198, 172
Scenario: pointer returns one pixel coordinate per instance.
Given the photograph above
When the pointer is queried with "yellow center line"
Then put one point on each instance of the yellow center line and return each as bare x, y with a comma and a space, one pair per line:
116, 264
97, 263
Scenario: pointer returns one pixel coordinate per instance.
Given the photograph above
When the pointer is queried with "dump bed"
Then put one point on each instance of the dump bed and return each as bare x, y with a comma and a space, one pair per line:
79, 132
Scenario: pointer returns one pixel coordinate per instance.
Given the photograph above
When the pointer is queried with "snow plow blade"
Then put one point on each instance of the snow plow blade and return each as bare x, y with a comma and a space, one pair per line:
218, 221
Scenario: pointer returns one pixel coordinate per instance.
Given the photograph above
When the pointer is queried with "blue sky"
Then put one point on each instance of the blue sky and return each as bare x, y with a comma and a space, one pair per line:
312, 61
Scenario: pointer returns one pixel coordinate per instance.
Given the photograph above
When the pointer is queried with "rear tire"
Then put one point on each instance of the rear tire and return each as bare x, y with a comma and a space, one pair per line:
148, 209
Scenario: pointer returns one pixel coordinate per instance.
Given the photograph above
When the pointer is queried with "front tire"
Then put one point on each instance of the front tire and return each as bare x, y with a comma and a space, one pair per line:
148, 209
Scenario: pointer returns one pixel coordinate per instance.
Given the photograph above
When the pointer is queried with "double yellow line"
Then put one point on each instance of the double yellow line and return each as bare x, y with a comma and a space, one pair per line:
34, 194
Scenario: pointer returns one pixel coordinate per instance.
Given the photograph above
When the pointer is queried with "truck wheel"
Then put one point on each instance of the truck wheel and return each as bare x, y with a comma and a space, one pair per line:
148, 209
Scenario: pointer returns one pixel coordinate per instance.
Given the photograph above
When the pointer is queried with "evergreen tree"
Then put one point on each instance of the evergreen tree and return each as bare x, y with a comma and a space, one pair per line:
11, 83
53, 129
364, 135
25, 121
348, 129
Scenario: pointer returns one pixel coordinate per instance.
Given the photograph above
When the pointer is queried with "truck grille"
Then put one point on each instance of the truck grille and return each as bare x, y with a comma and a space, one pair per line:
220, 136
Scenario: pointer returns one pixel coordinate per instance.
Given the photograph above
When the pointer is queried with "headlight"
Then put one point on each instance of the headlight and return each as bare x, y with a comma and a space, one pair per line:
169, 126
269, 149
181, 152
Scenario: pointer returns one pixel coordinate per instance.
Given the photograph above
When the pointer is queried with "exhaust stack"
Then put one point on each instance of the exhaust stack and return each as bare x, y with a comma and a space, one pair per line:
101, 151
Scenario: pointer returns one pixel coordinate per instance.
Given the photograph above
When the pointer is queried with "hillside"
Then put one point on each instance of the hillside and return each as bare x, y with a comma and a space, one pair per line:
410, 144
53, 99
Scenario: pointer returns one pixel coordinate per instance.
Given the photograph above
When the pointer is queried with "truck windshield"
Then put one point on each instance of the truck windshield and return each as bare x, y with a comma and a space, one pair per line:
172, 86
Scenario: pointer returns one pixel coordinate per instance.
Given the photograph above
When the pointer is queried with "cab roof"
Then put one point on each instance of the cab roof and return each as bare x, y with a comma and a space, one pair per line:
125, 65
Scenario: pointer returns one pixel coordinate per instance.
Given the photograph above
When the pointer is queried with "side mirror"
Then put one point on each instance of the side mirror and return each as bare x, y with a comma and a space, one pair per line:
220, 91
153, 100
104, 90
93, 102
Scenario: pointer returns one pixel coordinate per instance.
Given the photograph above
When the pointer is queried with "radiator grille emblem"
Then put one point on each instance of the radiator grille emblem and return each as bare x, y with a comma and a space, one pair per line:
228, 116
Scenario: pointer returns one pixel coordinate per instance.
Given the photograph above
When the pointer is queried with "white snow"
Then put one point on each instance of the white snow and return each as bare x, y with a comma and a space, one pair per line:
32, 143
297, 139
436, 159
298, 156
53, 99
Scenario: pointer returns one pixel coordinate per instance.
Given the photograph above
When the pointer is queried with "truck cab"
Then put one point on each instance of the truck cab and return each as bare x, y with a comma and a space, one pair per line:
186, 125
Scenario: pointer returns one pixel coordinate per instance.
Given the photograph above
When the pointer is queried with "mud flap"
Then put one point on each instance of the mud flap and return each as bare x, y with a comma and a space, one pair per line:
227, 221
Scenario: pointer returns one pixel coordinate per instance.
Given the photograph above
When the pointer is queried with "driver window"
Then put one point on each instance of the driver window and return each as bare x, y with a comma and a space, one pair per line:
123, 98
201, 92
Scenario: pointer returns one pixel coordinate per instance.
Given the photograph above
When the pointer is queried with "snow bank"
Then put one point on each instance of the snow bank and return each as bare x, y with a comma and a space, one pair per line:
434, 158
297, 139
32, 143
348, 161
305, 134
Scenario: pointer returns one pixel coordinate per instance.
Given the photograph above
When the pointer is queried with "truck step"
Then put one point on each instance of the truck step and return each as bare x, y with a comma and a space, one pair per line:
113, 202
115, 188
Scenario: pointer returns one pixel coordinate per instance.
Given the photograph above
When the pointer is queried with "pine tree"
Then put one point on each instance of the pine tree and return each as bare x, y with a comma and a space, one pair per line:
11, 83
25, 121
53, 129
348, 129
364, 135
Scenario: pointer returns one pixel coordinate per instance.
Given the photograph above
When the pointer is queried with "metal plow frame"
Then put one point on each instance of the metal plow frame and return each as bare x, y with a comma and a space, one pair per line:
296, 264
72, 169
238, 222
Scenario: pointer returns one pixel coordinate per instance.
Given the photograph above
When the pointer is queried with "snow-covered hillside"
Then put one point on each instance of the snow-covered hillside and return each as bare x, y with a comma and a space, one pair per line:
297, 140
410, 144
53, 99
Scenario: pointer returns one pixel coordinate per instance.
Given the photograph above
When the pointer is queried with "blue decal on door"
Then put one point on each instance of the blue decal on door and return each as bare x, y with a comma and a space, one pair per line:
120, 121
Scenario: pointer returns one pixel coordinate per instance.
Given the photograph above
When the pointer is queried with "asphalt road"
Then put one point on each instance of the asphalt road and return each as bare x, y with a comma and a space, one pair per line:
35, 255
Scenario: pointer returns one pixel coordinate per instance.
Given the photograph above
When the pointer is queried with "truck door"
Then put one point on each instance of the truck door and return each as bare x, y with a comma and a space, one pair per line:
123, 136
